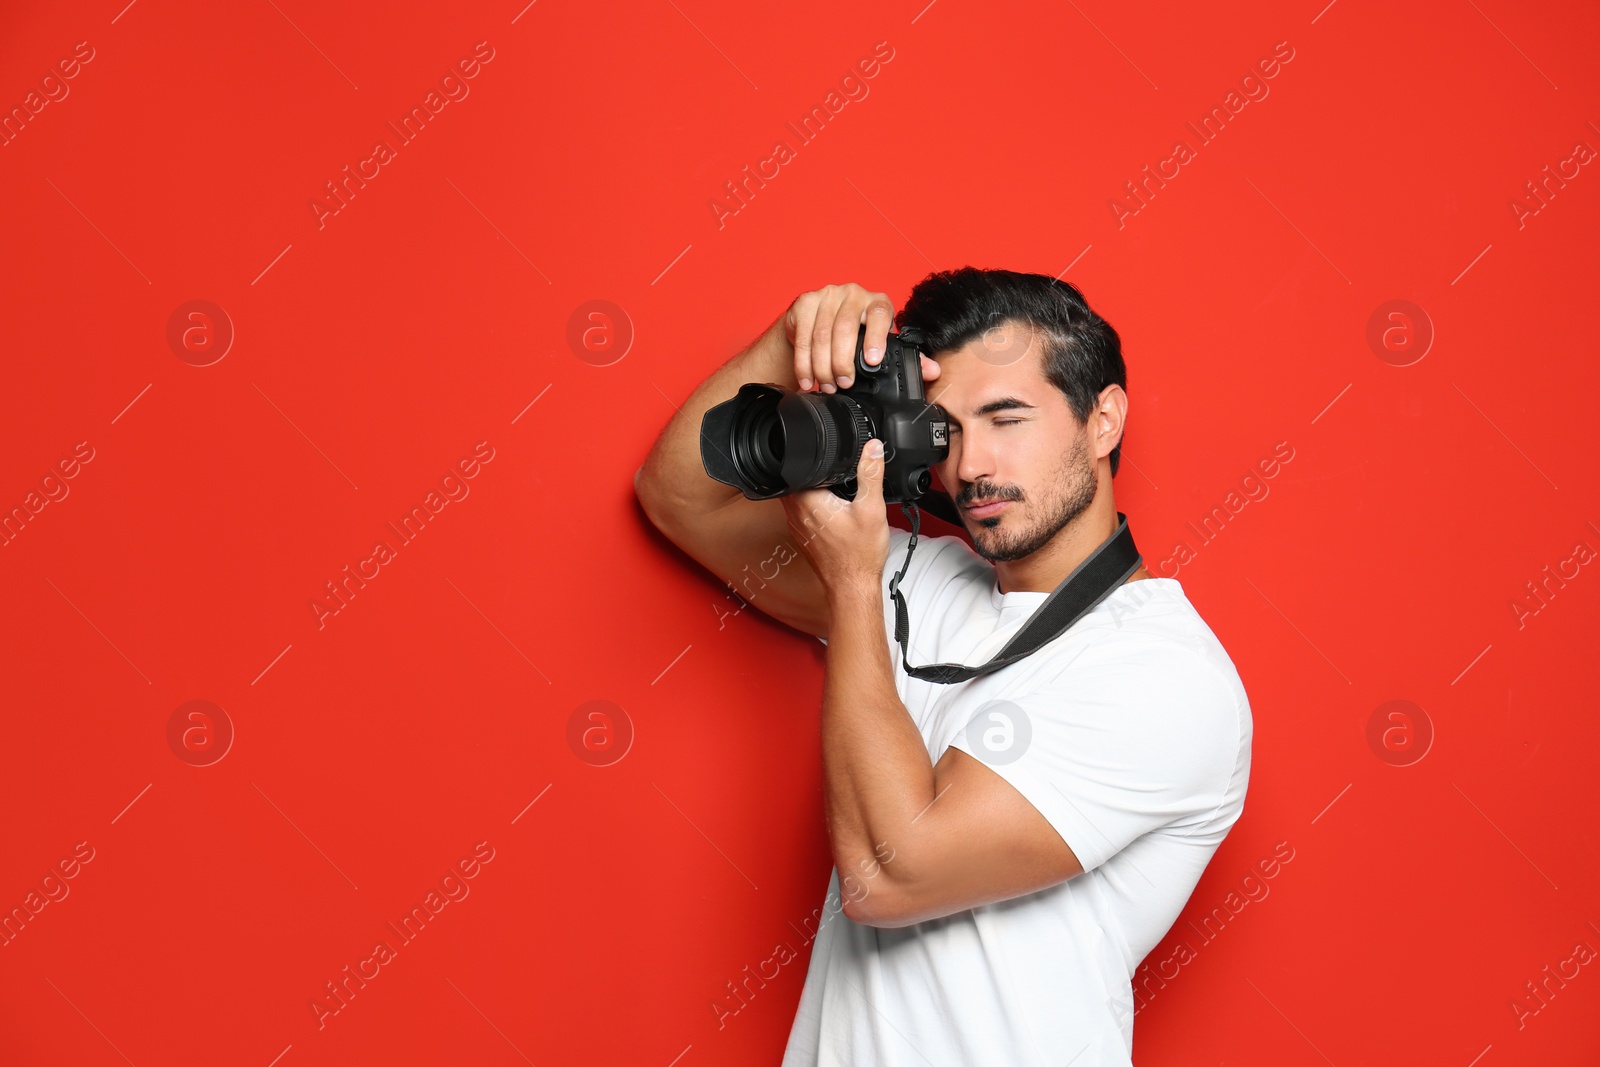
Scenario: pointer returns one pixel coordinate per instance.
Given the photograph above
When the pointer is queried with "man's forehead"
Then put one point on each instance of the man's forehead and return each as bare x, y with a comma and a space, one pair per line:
980, 374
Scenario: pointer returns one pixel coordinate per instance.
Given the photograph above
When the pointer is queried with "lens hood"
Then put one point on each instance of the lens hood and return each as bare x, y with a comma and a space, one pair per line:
725, 441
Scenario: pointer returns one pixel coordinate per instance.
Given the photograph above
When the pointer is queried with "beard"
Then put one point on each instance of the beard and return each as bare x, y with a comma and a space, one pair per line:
1009, 537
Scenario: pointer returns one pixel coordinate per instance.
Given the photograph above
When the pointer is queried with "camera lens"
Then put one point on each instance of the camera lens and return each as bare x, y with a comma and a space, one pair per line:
775, 437
768, 441
823, 435
757, 441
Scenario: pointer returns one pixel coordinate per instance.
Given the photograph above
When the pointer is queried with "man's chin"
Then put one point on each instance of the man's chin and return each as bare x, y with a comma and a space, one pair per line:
987, 541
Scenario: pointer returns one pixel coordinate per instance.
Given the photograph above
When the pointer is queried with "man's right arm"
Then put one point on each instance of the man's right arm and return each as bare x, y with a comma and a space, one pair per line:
748, 543
737, 539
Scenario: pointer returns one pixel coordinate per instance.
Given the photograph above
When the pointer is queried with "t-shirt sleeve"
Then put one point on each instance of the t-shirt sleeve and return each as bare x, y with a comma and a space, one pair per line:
1110, 752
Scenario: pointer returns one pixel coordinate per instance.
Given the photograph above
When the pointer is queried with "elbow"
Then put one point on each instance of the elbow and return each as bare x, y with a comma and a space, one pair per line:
649, 499
863, 913
884, 890
880, 902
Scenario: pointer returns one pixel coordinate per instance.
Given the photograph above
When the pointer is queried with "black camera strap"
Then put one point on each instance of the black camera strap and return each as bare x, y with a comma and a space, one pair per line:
1097, 577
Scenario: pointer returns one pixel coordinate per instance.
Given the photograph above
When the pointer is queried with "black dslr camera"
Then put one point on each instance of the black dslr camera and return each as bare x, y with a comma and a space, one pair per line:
768, 441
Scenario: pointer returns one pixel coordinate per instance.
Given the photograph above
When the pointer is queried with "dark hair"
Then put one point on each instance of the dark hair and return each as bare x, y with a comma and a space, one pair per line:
1082, 353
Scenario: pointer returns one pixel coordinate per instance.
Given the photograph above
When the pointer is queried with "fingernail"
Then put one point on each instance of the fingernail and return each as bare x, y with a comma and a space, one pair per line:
805, 383
827, 387
874, 447
844, 383
873, 355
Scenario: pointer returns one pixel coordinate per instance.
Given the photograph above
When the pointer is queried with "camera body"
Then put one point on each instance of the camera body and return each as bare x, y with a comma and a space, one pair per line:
769, 441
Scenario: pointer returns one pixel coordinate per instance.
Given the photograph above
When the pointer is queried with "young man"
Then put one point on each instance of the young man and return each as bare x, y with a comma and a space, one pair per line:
1009, 848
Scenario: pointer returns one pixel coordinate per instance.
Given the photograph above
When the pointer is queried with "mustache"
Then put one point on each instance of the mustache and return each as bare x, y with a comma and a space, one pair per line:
986, 493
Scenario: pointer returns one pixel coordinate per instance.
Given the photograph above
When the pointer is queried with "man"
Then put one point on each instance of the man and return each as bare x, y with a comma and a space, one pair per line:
1011, 846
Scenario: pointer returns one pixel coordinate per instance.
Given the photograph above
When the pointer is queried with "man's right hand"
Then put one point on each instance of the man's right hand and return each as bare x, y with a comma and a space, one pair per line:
822, 326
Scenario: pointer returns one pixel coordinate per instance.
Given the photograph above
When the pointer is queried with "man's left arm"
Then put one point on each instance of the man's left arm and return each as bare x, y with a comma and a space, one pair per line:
950, 836
923, 840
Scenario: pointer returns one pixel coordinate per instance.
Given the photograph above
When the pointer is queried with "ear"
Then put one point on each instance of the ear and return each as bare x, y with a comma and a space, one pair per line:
1108, 420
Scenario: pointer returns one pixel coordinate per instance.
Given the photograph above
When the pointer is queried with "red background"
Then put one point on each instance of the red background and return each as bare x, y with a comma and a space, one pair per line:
374, 351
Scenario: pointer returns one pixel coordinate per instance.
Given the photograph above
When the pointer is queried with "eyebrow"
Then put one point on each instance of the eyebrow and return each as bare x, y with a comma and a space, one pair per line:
1004, 403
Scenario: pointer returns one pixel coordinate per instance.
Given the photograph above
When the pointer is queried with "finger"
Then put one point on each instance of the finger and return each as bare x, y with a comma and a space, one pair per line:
791, 318
846, 331
822, 340
879, 316
930, 369
802, 318
869, 473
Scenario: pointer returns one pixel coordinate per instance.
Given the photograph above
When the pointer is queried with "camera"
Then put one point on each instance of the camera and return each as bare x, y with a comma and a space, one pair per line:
768, 441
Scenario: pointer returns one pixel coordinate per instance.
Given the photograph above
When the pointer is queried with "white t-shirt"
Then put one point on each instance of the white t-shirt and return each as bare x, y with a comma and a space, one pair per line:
1131, 734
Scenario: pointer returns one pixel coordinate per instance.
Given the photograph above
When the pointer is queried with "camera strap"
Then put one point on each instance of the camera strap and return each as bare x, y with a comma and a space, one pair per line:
1097, 577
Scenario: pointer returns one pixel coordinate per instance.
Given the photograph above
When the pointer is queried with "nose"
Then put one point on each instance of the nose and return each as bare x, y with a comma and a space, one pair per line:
974, 459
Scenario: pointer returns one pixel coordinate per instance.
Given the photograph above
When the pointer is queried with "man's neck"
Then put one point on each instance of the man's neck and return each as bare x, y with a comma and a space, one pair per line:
1048, 567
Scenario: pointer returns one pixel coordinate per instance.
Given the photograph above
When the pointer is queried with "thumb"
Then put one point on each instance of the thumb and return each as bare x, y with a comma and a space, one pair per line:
869, 472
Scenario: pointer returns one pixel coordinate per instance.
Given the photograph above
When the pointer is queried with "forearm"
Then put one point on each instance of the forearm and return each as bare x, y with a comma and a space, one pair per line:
878, 778
672, 474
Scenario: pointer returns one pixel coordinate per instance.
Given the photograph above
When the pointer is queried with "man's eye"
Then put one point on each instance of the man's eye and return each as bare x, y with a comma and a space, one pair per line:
997, 422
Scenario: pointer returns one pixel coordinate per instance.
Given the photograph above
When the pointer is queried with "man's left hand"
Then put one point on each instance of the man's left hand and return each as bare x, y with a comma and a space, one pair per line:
847, 541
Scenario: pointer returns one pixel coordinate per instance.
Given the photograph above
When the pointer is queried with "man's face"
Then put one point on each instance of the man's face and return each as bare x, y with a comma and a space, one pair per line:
1013, 439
